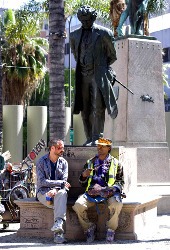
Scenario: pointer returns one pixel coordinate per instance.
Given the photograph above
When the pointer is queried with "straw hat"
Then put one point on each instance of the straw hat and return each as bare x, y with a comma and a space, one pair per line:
104, 142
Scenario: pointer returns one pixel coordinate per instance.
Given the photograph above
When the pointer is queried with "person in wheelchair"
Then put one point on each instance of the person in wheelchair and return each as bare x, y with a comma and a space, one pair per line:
5, 176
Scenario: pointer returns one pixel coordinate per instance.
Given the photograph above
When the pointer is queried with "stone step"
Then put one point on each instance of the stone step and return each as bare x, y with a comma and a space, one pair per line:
157, 189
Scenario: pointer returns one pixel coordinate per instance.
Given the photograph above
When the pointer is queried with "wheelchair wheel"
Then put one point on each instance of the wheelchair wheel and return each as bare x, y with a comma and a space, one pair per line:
17, 193
5, 226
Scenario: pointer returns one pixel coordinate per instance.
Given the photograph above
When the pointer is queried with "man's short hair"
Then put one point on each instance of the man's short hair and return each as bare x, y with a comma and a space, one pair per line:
54, 142
86, 11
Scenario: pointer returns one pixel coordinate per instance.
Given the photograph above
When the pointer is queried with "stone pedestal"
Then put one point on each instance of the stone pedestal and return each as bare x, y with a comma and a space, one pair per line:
167, 119
141, 124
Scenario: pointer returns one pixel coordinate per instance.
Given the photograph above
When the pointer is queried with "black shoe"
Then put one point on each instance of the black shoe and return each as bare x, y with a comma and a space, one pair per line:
87, 142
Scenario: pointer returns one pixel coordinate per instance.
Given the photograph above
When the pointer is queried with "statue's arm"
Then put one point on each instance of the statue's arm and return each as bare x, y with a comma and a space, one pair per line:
109, 45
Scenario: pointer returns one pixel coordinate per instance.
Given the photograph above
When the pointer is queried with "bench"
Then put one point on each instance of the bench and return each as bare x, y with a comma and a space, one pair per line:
138, 213
36, 220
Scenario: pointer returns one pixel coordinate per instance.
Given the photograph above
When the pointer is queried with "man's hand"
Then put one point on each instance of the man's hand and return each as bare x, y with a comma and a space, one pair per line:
97, 187
67, 185
96, 190
52, 192
87, 172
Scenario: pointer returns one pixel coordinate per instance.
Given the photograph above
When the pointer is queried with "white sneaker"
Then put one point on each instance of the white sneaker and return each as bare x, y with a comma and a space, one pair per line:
58, 226
110, 236
90, 234
59, 238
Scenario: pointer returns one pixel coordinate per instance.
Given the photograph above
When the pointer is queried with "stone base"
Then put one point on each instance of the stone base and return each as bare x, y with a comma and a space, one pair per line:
153, 165
141, 124
36, 220
164, 205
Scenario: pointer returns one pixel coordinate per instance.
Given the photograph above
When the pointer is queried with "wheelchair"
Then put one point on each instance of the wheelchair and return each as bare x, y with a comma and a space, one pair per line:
18, 185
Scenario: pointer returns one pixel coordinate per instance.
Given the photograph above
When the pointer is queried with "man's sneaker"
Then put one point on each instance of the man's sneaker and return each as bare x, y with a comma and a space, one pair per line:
90, 234
110, 236
58, 226
59, 238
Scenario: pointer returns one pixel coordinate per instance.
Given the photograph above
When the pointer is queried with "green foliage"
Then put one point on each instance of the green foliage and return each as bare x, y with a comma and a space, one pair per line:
35, 9
23, 56
9, 17
165, 75
102, 7
156, 6
71, 7
40, 96
66, 85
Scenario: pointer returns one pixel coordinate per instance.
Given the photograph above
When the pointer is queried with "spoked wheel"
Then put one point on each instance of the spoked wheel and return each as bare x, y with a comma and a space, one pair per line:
5, 226
18, 193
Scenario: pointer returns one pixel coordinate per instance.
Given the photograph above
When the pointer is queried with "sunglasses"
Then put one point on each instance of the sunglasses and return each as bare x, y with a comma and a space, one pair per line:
102, 146
59, 148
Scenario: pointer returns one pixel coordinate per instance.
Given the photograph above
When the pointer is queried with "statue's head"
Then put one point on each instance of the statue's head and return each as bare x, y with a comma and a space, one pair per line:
121, 5
86, 16
117, 6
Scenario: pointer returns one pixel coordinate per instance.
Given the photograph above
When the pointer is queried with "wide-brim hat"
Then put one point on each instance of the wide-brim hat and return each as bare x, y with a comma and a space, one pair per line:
104, 142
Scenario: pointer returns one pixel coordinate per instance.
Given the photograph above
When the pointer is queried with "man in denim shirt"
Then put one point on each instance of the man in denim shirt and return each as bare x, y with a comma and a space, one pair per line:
52, 185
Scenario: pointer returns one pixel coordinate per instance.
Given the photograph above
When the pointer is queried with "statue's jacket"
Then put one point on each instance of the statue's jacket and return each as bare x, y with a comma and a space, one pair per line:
104, 54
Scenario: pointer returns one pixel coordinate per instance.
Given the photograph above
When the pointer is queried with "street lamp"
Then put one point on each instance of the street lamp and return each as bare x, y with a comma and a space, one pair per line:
69, 97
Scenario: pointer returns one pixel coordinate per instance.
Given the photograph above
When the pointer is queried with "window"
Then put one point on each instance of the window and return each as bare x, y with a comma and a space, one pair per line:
166, 55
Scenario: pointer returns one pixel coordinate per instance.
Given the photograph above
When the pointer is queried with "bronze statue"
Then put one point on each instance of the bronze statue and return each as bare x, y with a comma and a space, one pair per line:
136, 10
94, 52
116, 9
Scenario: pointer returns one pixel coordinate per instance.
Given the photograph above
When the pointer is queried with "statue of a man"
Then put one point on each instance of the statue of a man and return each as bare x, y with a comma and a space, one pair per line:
94, 52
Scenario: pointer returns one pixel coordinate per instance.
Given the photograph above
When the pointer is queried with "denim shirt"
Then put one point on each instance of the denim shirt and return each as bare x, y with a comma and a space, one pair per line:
43, 172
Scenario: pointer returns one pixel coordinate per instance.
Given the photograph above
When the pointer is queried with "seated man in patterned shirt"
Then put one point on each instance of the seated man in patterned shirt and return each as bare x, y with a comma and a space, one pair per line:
103, 177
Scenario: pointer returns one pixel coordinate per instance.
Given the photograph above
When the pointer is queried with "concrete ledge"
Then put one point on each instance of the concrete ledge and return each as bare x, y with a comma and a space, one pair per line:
36, 220
157, 189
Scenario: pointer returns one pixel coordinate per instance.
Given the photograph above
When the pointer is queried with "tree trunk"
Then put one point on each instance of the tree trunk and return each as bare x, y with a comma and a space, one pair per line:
56, 74
1, 117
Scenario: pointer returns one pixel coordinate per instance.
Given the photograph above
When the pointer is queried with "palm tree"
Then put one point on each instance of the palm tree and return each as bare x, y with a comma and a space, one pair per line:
1, 115
23, 57
56, 76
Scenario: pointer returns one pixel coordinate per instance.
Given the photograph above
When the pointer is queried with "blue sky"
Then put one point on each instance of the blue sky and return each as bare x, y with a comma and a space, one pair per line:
13, 4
